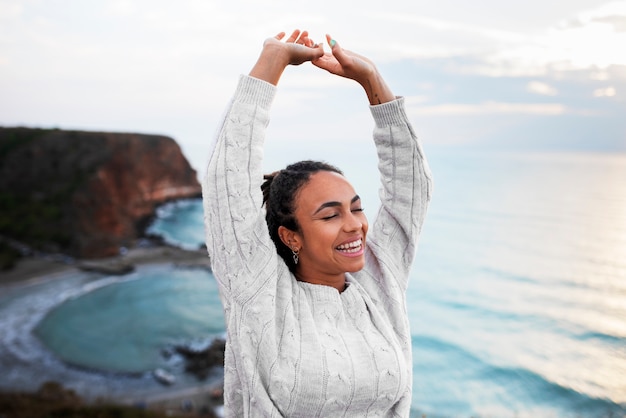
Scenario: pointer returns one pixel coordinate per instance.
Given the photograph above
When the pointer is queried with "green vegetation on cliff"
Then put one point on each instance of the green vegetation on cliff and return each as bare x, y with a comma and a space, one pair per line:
31, 214
85, 194
36, 222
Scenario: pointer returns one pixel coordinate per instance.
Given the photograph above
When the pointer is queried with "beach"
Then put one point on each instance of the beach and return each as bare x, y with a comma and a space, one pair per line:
26, 364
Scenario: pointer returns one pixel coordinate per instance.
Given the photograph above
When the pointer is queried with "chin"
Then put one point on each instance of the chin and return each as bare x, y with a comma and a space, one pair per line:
356, 267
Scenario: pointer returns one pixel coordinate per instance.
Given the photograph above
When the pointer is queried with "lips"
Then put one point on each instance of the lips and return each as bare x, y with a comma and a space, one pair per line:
351, 247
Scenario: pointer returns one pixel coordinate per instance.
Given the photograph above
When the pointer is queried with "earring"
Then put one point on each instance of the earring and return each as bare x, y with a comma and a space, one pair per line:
295, 256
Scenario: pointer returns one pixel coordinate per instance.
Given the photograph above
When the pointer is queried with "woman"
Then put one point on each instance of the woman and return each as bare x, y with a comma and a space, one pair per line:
315, 307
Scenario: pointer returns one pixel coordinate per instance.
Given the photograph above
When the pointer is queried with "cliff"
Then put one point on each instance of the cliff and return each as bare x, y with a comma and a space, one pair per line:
86, 194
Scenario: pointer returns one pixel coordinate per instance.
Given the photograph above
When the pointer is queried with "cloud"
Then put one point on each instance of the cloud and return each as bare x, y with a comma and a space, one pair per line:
10, 10
441, 25
121, 8
618, 22
490, 108
584, 41
605, 92
539, 87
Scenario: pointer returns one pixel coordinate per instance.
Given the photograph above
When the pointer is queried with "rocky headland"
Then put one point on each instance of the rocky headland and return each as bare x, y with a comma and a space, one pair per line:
86, 194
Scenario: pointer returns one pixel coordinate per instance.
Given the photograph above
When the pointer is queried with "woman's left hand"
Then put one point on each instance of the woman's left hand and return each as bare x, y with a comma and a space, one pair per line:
345, 63
351, 65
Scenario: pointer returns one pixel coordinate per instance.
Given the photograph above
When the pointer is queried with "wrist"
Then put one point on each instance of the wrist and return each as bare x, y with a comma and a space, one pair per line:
276, 54
376, 89
271, 63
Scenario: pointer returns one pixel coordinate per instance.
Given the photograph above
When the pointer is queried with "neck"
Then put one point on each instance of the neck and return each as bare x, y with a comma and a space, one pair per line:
338, 282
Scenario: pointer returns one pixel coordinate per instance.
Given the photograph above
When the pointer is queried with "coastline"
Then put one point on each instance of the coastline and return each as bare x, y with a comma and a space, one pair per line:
36, 267
59, 275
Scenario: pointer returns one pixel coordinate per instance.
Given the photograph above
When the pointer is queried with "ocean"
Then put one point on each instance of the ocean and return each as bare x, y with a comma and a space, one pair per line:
517, 299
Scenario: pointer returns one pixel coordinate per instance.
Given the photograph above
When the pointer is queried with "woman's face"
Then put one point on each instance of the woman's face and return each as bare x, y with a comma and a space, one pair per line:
332, 228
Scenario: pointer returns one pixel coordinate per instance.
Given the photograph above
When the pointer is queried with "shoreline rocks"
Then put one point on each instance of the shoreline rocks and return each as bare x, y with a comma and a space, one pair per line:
108, 267
200, 362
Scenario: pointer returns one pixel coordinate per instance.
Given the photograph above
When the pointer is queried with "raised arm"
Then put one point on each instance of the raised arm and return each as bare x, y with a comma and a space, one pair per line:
406, 180
237, 239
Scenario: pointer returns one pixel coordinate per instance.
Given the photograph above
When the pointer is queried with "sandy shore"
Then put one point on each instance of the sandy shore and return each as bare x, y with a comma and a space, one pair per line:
33, 268
31, 271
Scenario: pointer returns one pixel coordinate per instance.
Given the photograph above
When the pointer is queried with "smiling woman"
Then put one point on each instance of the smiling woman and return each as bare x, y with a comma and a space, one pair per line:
315, 310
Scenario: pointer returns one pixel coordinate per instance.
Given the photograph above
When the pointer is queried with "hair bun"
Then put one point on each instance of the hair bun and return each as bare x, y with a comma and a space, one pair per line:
267, 184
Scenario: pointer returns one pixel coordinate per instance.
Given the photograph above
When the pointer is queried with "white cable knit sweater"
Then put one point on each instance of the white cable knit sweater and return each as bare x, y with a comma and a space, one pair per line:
296, 349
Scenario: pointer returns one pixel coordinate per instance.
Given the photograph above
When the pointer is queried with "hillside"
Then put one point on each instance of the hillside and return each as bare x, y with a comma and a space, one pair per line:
86, 194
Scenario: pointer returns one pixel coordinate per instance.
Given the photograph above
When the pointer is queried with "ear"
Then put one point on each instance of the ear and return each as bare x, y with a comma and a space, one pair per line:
290, 238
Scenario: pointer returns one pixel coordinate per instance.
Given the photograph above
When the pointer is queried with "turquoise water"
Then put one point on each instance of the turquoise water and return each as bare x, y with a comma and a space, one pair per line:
124, 327
519, 295
517, 301
173, 226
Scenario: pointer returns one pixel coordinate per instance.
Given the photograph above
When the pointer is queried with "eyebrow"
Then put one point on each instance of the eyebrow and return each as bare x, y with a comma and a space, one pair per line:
334, 204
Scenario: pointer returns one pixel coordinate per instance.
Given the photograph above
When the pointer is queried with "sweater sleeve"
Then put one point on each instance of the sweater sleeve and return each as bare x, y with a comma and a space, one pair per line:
404, 194
237, 239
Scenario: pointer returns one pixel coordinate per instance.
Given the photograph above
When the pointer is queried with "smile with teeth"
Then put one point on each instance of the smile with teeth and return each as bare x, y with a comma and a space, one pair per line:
351, 247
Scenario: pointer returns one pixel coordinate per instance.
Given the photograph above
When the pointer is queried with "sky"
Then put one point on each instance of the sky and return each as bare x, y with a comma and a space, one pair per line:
545, 75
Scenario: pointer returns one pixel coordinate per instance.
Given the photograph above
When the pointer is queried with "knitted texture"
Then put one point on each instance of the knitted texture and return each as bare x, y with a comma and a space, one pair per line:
297, 349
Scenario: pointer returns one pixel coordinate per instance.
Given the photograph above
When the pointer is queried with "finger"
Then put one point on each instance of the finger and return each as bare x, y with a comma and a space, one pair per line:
336, 49
320, 61
311, 43
294, 35
331, 42
326, 61
280, 36
319, 50
302, 39
306, 41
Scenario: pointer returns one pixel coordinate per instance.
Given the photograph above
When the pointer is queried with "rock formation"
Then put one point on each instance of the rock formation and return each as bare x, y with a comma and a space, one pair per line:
200, 362
86, 193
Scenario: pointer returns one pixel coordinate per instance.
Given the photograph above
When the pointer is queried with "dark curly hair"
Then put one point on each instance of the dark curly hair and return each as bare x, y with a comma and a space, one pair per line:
280, 189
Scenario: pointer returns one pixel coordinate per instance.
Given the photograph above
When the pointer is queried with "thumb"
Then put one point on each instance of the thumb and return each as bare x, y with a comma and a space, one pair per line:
334, 46
337, 51
332, 43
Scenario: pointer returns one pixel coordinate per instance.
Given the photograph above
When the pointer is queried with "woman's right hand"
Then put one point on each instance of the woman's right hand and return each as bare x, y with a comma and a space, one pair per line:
298, 48
278, 54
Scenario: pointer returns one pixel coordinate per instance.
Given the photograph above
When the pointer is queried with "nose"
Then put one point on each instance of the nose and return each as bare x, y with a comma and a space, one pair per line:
353, 222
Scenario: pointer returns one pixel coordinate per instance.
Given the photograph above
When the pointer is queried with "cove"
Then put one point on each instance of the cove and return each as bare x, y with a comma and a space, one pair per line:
126, 326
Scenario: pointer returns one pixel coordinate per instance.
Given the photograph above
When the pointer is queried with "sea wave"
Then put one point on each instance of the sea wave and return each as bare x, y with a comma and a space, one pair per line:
180, 223
526, 392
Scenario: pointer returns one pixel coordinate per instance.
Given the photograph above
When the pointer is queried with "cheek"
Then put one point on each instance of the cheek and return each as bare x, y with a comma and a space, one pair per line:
318, 236
327, 234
